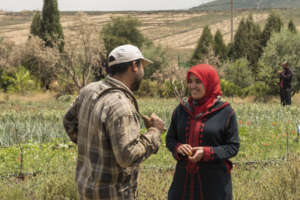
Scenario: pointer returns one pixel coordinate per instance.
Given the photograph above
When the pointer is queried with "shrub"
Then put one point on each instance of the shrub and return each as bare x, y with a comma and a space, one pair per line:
21, 81
238, 73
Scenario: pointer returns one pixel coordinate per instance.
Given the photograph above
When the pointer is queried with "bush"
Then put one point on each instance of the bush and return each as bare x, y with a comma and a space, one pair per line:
158, 56
229, 89
165, 89
20, 81
238, 73
148, 88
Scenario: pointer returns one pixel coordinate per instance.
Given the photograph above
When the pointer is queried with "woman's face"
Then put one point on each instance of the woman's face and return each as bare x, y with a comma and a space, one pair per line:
195, 87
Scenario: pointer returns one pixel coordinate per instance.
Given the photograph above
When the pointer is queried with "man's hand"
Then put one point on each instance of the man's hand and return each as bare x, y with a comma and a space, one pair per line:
154, 121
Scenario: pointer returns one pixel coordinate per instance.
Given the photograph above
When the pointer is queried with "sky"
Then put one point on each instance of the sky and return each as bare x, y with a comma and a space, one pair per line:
101, 5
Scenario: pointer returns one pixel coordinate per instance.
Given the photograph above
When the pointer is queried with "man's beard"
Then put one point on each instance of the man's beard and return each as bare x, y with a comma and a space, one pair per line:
136, 85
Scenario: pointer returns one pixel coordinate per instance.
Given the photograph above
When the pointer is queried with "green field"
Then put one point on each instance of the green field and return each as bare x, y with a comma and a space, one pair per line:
37, 160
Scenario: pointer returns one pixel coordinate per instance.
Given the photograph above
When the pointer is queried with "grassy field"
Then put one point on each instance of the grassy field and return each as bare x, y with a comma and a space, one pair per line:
37, 160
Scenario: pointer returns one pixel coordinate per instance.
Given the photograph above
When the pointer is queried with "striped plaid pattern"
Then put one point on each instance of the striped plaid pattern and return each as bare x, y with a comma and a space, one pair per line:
110, 146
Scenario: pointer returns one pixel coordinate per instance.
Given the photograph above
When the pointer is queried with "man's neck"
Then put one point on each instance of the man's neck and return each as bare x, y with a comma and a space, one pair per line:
123, 79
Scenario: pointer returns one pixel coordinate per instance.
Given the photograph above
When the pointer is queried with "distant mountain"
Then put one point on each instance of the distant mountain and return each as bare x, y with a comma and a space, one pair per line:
248, 4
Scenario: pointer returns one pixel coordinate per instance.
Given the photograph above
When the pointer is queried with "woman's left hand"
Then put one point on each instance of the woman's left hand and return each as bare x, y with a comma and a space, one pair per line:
198, 153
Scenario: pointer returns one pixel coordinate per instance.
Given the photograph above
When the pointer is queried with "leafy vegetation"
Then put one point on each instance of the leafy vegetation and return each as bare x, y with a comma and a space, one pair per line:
39, 161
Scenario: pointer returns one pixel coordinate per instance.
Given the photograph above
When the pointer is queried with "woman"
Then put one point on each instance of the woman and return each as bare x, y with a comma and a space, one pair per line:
202, 136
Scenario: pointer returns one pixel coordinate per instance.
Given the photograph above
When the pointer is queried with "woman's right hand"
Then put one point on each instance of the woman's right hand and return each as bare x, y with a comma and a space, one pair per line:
184, 149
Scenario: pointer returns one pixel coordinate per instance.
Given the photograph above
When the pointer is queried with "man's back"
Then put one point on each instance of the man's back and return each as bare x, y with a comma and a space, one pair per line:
109, 144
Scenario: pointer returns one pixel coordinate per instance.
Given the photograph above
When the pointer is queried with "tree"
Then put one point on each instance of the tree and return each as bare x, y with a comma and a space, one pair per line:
40, 60
81, 57
122, 30
220, 48
247, 43
292, 27
52, 32
281, 46
204, 46
36, 25
273, 24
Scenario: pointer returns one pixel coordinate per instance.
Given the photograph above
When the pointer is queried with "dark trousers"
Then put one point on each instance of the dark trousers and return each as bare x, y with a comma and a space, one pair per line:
285, 96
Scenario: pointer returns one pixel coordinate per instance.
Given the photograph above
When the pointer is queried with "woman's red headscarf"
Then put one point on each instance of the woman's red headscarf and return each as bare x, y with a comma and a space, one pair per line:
211, 82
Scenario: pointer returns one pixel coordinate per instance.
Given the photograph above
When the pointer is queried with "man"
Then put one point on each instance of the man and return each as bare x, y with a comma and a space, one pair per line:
285, 84
104, 122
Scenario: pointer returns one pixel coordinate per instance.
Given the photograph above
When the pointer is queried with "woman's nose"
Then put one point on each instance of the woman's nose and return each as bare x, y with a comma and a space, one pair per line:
192, 85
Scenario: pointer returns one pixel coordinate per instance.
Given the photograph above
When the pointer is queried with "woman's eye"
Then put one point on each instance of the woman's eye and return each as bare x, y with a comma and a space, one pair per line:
198, 81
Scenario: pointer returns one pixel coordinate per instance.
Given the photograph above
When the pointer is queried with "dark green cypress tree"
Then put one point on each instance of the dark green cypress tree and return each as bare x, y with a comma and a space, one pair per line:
274, 24
292, 27
239, 44
36, 25
51, 27
247, 43
220, 48
205, 44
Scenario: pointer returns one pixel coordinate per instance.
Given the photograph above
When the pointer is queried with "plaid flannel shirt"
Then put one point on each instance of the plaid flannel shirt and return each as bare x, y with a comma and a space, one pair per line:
110, 146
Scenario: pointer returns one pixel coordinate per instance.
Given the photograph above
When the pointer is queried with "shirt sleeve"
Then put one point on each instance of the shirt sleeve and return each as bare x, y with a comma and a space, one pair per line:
70, 120
129, 146
231, 146
172, 142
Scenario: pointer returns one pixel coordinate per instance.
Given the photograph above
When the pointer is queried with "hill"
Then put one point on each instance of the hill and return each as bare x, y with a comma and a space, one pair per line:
248, 4
178, 31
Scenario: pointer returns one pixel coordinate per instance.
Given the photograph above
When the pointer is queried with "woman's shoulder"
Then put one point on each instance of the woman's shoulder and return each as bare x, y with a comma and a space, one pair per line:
224, 106
182, 106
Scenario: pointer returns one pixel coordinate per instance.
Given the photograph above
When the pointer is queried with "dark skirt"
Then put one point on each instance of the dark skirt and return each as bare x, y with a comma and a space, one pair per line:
212, 181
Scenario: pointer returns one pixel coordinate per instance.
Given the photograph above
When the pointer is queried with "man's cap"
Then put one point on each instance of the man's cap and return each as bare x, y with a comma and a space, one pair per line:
127, 53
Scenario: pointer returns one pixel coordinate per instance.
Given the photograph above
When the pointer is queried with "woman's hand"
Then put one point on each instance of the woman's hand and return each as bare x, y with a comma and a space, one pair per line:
197, 154
184, 149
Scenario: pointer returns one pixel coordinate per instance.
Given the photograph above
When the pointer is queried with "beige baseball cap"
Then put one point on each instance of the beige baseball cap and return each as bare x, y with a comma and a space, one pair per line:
127, 53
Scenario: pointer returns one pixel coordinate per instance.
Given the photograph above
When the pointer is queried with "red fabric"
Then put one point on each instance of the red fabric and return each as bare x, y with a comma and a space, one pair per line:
208, 153
211, 82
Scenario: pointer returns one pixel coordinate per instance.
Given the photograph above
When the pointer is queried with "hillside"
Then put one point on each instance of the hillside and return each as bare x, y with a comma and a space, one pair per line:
178, 31
248, 4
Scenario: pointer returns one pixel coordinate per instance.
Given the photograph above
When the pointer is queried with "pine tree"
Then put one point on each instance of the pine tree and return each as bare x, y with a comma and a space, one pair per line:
205, 45
51, 27
220, 48
239, 44
292, 27
36, 25
274, 24
247, 43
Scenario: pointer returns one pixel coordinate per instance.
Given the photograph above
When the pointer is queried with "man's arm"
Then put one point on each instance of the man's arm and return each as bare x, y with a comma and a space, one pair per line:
70, 120
129, 146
